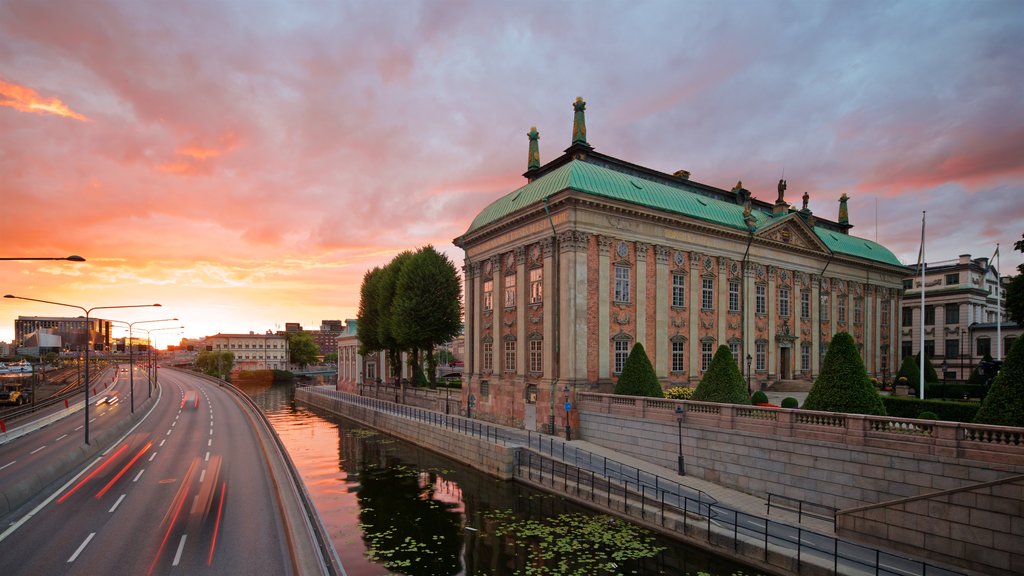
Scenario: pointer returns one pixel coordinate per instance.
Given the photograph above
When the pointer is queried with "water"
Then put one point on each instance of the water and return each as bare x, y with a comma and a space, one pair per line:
394, 508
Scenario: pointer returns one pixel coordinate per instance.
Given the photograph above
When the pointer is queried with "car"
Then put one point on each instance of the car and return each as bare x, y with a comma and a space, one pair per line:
110, 399
190, 399
124, 369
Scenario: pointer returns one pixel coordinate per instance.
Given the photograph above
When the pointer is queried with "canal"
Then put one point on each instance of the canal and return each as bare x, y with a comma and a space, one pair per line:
394, 508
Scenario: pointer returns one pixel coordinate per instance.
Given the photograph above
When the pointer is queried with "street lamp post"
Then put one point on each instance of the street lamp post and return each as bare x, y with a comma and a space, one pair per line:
963, 336
131, 357
944, 366
750, 359
88, 339
680, 415
151, 373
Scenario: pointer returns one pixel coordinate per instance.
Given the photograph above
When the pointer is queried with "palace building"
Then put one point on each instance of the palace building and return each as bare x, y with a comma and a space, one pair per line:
594, 254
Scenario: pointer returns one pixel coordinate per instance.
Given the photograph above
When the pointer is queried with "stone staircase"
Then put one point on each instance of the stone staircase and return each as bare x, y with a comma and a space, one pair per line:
790, 386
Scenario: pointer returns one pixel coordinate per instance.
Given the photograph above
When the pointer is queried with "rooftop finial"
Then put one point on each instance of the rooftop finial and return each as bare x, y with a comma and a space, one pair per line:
844, 214
579, 123
533, 161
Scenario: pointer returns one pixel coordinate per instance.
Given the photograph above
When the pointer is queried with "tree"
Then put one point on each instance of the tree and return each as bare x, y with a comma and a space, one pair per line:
909, 370
637, 377
385, 294
427, 307
302, 349
369, 315
722, 381
1015, 290
216, 363
1004, 403
51, 358
331, 358
843, 385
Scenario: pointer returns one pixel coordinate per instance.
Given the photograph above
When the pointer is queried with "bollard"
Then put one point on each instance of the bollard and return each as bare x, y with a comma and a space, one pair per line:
65, 402
3, 426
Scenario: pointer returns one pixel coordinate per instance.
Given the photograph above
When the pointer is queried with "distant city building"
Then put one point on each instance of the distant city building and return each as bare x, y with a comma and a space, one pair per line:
332, 326
40, 342
5, 349
963, 300
72, 331
253, 351
292, 327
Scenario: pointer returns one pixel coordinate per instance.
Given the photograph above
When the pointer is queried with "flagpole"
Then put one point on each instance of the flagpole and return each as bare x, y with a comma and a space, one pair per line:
920, 384
999, 311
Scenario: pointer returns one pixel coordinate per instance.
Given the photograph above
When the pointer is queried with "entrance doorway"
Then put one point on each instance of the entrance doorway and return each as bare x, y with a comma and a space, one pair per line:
784, 364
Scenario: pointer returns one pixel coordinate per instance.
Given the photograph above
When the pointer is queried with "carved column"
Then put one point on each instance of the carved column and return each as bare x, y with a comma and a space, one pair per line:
662, 305
815, 325
750, 330
694, 316
549, 307
573, 311
497, 310
868, 302
641, 296
722, 296
770, 307
604, 246
471, 271
522, 297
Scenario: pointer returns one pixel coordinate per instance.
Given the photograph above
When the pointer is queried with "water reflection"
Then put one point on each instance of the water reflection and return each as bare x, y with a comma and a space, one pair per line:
395, 508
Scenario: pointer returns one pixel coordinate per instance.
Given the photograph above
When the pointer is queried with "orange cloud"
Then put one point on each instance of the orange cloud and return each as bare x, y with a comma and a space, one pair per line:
27, 100
193, 159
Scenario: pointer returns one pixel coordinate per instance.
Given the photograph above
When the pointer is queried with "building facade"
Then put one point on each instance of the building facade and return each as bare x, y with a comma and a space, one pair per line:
72, 331
594, 255
963, 301
253, 351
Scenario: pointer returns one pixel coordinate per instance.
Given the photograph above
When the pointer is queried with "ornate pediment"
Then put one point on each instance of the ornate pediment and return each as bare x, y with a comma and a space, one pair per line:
792, 231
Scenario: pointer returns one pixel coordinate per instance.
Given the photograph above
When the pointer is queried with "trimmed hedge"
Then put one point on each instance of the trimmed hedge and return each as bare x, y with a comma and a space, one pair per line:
1004, 403
843, 385
759, 397
722, 382
790, 402
638, 377
953, 391
909, 370
907, 407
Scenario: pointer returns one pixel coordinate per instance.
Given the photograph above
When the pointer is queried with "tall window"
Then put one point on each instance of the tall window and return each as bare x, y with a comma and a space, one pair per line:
621, 353
952, 279
983, 347
929, 348
805, 305
678, 356
678, 294
826, 305
929, 315
952, 313
858, 310
536, 285
907, 319
883, 358
823, 350
705, 355
805, 356
760, 297
510, 355
952, 348
784, 302
488, 294
760, 354
841, 309
622, 283
734, 296
536, 356
906, 348
488, 350
510, 291
707, 293
734, 348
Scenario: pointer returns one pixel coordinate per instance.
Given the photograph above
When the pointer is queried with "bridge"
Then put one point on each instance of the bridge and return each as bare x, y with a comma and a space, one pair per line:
194, 481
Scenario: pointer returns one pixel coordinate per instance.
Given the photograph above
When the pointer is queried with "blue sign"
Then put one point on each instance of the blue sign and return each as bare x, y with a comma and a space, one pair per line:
568, 406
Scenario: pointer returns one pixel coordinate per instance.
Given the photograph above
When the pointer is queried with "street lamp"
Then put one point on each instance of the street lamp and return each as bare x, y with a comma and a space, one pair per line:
680, 415
151, 374
88, 339
943, 366
750, 359
131, 357
71, 258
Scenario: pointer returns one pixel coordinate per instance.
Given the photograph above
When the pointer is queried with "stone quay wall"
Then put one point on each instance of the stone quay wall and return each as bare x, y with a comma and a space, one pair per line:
920, 483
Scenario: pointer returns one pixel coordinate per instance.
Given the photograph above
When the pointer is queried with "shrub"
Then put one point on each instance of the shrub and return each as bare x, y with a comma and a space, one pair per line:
419, 379
843, 385
1004, 403
722, 382
908, 407
930, 375
927, 415
908, 374
638, 377
759, 397
790, 402
679, 393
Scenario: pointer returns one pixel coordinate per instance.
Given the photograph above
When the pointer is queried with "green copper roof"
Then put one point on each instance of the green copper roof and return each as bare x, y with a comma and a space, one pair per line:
613, 185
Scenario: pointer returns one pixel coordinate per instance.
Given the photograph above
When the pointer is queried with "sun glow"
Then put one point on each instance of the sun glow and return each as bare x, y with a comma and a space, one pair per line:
28, 100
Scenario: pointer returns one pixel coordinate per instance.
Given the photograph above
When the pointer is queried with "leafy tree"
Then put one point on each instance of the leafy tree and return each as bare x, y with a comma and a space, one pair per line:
977, 378
331, 358
722, 382
302, 349
427, 307
1015, 290
843, 385
369, 315
1004, 403
217, 363
385, 294
637, 377
909, 370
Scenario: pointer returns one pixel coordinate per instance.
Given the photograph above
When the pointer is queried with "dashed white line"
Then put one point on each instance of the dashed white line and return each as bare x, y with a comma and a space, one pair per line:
116, 504
139, 475
61, 437
207, 459
93, 420
168, 433
211, 431
162, 442
37, 450
181, 546
82, 547
202, 475
77, 429
175, 423
8, 464
153, 456
209, 442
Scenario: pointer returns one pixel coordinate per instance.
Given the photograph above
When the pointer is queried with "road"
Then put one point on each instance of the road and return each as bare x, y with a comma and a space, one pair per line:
186, 491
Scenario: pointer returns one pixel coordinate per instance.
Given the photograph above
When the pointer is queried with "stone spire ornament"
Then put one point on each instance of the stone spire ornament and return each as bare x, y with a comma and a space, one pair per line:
533, 161
579, 123
844, 214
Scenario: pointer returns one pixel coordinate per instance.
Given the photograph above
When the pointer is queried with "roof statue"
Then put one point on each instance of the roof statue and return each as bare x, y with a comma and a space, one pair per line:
738, 186
782, 192
807, 198
844, 214
533, 160
579, 123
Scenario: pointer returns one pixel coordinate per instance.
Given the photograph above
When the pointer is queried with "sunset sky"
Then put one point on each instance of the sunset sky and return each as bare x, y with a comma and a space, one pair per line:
245, 163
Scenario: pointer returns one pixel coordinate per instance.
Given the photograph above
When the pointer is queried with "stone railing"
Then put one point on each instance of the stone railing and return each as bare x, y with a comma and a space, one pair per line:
996, 444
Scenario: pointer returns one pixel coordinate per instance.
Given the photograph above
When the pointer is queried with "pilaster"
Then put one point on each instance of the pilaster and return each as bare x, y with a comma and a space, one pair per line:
694, 316
604, 245
815, 325
770, 306
522, 298
662, 305
641, 297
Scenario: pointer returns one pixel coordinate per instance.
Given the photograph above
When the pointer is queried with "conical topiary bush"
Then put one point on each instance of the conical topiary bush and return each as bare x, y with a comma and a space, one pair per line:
843, 385
930, 375
1004, 403
722, 382
637, 377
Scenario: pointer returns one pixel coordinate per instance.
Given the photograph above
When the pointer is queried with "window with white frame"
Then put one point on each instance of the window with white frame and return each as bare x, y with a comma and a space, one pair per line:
537, 355
858, 310
488, 349
706, 352
707, 293
805, 356
805, 305
621, 353
784, 302
510, 355
883, 358
488, 294
734, 296
760, 356
622, 284
760, 299
678, 294
510, 291
826, 305
536, 285
841, 309
883, 313
734, 348
678, 355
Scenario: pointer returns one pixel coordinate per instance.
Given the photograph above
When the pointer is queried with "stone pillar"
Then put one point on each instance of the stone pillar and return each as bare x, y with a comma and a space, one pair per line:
662, 305
522, 297
749, 303
694, 317
604, 246
770, 307
471, 271
722, 296
641, 297
497, 311
867, 304
815, 324
549, 308
573, 304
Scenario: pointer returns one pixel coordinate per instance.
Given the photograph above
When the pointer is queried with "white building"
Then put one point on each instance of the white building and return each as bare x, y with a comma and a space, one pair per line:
253, 351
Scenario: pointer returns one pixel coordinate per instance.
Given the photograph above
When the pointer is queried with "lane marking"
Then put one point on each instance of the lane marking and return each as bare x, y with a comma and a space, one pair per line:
82, 547
153, 456
181, 546
116, 504
207, 456
137, 476
202, 475
168, 433
162, 442
61, 438
37, 450
93, 420
175, 423
8, 464
209, 442
79, 428
211, 431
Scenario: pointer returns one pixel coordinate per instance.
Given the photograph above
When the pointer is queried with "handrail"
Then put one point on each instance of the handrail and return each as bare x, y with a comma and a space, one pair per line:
930, 495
